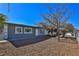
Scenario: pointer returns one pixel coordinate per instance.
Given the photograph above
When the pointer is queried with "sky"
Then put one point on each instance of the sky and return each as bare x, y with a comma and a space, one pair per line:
30, 13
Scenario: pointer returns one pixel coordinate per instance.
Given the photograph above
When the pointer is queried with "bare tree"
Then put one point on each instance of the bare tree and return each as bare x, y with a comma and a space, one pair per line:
57, 17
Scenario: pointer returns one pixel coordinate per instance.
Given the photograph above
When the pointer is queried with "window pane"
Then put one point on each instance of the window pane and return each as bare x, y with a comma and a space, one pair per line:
41, 31
18, 29
27, 30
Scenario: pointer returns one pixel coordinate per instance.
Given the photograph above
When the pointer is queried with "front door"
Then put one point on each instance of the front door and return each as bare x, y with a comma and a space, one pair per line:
36, 32
1, 37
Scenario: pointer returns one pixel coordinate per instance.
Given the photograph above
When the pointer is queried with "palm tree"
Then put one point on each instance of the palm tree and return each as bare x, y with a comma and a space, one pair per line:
3, 18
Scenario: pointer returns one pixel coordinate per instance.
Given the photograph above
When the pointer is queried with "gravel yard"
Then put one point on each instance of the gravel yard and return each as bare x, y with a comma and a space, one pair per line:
48, 47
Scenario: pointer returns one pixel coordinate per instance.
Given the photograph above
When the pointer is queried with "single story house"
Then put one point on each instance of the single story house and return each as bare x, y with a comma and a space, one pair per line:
14, 31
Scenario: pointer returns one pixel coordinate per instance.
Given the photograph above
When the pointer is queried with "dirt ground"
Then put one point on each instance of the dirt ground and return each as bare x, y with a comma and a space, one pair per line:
49, 47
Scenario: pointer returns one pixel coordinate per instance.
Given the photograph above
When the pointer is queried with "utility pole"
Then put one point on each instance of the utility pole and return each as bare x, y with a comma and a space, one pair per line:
8, 9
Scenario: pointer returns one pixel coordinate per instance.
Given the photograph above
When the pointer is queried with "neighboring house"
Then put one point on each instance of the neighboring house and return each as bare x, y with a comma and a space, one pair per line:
19, 31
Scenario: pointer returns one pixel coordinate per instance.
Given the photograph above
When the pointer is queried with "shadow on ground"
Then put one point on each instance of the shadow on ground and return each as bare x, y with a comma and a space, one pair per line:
23, 42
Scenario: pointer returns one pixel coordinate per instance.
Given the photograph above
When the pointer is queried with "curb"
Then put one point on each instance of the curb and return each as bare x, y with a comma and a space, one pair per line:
3, 41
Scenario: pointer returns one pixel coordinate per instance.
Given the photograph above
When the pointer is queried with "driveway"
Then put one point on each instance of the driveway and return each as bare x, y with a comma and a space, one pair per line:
48, 47
23, 42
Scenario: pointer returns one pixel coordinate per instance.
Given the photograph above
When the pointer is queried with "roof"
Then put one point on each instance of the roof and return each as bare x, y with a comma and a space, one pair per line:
23, 25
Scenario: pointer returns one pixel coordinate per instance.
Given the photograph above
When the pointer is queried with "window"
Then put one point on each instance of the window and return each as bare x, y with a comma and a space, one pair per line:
18, 30
27, 30
41, 31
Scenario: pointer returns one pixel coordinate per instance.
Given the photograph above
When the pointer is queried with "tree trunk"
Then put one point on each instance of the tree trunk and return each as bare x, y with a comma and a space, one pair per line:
58, 25
58, 35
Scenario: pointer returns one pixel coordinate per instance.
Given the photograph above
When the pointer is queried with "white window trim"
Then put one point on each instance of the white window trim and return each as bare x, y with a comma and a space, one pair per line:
18, 32
27, 32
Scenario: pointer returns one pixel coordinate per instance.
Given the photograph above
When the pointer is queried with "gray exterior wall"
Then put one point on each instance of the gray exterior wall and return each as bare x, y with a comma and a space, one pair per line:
13, 36
9, 32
